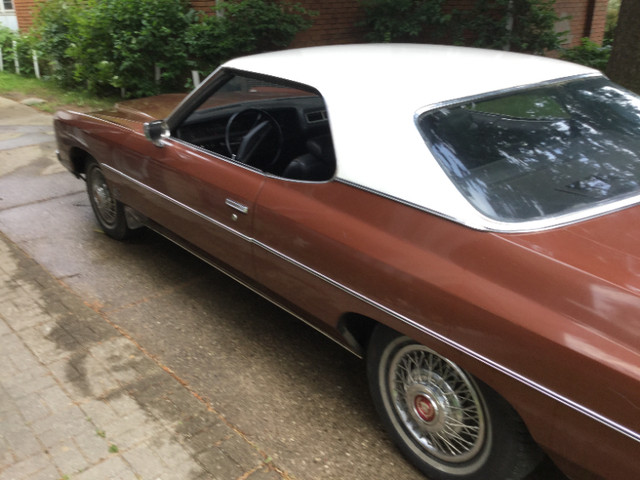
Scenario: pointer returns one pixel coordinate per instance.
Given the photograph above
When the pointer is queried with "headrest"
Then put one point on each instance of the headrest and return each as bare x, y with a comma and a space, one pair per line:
322, 148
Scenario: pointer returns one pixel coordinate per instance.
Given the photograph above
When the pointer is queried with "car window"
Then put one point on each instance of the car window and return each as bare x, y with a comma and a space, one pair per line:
540, 152
279, 128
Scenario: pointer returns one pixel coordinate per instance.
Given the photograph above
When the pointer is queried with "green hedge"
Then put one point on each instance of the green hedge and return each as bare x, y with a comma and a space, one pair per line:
588, 53
145, 47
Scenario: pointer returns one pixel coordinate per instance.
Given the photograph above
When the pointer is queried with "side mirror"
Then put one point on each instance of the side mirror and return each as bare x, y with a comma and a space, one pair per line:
156, 132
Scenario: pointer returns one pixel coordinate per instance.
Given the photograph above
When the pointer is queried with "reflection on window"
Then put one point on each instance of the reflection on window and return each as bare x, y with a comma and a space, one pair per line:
541, 152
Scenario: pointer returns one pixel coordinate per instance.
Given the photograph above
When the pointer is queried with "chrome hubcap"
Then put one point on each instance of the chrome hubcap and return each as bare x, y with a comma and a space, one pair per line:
437, 403
102, 198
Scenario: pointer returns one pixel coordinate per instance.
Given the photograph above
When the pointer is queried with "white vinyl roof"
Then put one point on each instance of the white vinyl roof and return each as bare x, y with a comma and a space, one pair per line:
373, 93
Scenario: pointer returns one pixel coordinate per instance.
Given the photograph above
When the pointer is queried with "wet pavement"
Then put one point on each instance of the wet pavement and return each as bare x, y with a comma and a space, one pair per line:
137, 361
80, 398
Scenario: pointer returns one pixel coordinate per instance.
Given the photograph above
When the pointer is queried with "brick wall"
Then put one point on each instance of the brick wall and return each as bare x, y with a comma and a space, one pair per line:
336, 19
587, 19
24, 13
335, 23
203, 5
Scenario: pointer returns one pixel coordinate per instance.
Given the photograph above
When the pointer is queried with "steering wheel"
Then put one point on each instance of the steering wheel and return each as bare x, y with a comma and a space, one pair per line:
263, 131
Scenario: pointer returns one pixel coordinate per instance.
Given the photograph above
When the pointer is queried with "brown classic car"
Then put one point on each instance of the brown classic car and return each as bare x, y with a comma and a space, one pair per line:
466, 220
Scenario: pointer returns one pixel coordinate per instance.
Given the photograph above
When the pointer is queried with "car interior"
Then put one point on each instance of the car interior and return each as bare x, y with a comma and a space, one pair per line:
278, 129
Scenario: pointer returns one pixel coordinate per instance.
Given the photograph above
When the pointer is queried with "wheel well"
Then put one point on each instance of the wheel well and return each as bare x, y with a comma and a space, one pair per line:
79, 159
356, 329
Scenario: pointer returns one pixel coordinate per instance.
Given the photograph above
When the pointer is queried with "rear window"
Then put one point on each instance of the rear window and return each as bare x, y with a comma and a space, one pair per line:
540, 152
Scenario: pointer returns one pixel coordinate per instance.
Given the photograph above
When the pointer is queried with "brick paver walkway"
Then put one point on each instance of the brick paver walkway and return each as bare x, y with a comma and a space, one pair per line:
80, 400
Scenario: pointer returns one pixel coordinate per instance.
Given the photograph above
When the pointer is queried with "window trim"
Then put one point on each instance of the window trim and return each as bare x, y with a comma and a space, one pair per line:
7, 11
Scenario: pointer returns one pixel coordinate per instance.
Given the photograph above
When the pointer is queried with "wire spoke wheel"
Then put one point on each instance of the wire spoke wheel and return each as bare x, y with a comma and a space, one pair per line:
448, 424
108, 210
105, 204
437, 404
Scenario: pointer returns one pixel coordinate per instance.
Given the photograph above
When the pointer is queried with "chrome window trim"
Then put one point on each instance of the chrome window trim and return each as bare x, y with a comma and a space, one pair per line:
495, 93
628, 432
490, 225
528, 226
409, 204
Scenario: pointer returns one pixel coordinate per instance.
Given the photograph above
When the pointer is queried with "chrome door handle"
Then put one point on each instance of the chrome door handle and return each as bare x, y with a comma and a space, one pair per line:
237, 206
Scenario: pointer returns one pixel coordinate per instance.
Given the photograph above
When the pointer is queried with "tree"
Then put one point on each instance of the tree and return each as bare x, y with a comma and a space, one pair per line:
516, 25
624, 64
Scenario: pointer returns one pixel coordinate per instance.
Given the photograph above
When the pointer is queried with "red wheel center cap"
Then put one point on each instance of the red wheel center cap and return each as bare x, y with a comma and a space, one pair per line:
424, 407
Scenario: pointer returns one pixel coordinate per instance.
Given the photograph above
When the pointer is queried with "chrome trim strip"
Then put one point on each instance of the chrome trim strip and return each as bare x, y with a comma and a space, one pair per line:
234, 277
177, 203
487, 95
501, 368
633, 435
485, 223
405, 202
503, 227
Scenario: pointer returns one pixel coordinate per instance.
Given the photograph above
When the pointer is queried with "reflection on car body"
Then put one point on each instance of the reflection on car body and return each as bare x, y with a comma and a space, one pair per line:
476, 241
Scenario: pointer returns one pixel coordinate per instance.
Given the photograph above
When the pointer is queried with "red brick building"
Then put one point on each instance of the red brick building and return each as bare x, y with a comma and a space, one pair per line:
336, 19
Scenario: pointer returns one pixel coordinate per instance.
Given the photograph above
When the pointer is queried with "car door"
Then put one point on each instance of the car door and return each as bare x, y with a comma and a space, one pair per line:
202, 198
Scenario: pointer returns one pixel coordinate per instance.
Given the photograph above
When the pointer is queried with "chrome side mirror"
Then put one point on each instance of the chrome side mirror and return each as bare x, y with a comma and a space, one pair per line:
156, 132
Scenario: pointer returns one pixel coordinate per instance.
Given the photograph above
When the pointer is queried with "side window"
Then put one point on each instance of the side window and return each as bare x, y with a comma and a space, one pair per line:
278, 128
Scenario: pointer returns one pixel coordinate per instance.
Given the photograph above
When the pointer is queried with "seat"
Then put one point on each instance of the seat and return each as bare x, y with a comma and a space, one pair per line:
318, 164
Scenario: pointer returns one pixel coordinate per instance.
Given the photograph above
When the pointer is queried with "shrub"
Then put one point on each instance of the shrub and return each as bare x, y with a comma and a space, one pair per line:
520, 26
55, 24
588, 53
106, 45
244, 27
7, 37
402, 20
119, 44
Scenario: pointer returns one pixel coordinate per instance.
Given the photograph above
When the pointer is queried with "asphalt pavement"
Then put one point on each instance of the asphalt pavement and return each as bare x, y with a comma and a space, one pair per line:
137, 361
79, 397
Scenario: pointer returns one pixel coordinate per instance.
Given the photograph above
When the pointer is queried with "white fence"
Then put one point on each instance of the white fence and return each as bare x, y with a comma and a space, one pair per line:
16, 60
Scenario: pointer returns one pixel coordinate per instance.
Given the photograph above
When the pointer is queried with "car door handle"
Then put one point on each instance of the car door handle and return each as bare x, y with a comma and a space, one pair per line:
237, 206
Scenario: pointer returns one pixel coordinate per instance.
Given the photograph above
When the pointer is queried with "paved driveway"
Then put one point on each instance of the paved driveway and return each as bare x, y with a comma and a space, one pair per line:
136, 360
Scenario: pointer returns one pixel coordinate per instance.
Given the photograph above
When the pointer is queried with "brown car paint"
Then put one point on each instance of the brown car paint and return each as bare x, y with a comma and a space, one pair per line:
510, 308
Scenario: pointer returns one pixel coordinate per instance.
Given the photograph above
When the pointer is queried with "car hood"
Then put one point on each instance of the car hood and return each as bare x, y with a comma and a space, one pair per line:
600, 261
141, 110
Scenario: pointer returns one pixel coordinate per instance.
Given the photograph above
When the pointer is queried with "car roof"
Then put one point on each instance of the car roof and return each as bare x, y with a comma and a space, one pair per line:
373, 94
448, 72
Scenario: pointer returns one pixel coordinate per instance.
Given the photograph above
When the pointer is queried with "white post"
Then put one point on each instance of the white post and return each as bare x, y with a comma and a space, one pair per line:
195, 75
1, 61
16, 60
158, 74
36, 67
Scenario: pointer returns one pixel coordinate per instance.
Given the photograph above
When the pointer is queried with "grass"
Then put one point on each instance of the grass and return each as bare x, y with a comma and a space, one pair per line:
18, 88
